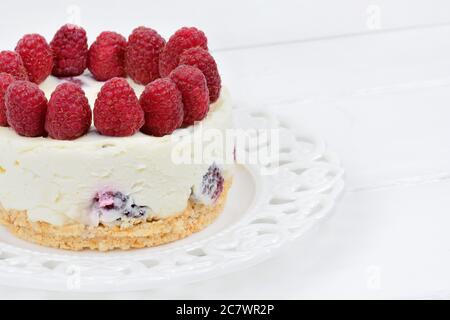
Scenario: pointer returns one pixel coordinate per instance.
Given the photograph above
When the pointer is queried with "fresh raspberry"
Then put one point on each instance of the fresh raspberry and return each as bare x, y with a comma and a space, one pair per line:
117, 111
185, 38
194, 90
142, 55
26, 107
106, 56
163, 107
5, 80
202, 59
11, 62
70, 48
37, 57
68, 114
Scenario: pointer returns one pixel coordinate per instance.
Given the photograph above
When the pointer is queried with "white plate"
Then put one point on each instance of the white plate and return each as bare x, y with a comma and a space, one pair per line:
263, 213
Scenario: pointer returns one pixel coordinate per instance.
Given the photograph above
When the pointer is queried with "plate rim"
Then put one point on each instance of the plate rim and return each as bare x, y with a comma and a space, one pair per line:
254, 242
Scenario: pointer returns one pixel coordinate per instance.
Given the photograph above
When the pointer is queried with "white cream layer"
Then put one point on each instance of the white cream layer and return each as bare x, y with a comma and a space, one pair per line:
55, 181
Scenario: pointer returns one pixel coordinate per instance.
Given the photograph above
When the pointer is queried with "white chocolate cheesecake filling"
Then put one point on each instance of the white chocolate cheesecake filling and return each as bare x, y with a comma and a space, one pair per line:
56, 181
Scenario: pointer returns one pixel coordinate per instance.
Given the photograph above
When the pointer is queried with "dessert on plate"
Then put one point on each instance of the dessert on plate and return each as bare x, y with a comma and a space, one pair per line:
91, 138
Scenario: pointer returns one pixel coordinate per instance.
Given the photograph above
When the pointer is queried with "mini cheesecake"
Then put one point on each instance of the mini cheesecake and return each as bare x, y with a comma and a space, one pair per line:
104, 193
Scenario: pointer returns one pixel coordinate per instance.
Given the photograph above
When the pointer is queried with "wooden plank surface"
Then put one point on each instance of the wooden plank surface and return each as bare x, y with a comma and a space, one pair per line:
380, 96
229, 24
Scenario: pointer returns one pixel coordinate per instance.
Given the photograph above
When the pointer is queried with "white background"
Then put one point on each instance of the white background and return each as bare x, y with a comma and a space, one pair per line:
370, 77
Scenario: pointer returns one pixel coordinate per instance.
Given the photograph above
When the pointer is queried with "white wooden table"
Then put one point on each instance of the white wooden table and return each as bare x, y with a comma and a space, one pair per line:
370, 77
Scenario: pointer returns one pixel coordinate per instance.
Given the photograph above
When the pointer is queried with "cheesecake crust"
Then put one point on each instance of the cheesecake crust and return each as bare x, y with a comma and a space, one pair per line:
78, 237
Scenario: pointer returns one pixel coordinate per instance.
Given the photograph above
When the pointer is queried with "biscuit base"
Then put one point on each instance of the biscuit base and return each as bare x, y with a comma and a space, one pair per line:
77, 237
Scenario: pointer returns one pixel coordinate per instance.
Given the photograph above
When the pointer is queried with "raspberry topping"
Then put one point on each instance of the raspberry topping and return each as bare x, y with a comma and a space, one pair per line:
5, 80
106, 56
202, 59
26, 107
142, 55
11, 62
37, 57
70, 48
117, 111
192, 84
68, 114
183, 39
163, 107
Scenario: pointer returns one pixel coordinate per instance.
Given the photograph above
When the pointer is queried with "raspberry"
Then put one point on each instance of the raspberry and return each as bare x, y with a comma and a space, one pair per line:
202, 59
142, 55
106, 56
117, 111
192, 84
5, 80
113, 205
211, 187
163, 107
11, 62
69, 46
185, 38
68, 114
26, 107
37, 57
